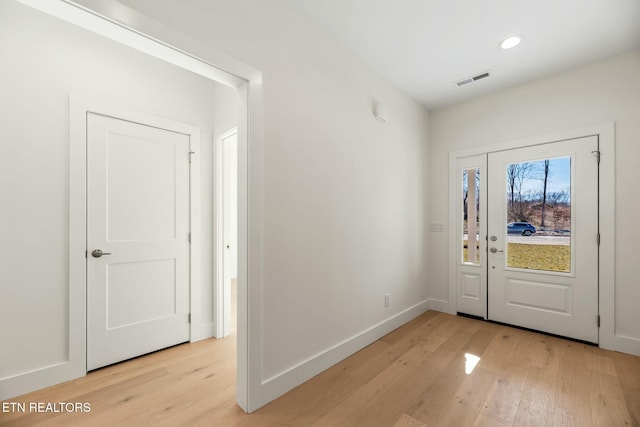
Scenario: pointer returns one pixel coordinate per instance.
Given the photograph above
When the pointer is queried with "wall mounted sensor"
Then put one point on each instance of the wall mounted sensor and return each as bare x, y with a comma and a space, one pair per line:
380, 113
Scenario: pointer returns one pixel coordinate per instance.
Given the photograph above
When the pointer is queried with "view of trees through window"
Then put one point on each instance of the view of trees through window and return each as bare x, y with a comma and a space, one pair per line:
539, 215
471, 215
540, 193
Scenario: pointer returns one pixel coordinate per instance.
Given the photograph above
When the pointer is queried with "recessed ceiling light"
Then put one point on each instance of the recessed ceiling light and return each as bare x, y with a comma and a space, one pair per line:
511, 42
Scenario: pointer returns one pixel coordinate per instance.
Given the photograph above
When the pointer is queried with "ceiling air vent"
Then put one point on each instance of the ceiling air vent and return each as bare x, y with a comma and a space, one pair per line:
472, 79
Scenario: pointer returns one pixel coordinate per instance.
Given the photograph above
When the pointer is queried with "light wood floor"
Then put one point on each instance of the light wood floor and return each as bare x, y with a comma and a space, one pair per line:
415, 376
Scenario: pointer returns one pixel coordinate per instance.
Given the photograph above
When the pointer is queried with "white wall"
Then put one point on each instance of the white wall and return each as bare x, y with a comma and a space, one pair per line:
344, 195
44, 61
606, 91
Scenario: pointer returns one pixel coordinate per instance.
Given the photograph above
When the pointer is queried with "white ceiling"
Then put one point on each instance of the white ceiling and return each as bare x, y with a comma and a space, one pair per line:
424, 46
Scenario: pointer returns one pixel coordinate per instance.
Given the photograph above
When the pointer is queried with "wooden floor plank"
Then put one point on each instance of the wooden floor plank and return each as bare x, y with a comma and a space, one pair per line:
572, 399
357, 407
628, 372
537, 402
506, 395
407, 421
408, 328
437, 395
607, 411
415, 376
465, 407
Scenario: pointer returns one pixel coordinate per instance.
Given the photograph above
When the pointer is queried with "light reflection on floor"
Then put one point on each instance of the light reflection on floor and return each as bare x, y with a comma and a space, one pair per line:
471, 360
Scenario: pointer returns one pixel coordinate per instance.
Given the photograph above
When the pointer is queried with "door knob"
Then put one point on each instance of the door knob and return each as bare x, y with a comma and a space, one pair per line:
494, 250
97, 253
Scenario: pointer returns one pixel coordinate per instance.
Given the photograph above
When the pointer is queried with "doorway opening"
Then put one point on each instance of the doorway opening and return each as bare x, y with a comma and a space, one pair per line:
227, 232
157, 42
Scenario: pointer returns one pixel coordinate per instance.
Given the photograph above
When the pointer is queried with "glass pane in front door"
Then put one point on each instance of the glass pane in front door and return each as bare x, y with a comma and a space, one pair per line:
539, 215
471, 216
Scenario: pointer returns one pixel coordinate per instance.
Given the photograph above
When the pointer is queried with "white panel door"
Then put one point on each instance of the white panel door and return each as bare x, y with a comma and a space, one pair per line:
138, 217
544, 275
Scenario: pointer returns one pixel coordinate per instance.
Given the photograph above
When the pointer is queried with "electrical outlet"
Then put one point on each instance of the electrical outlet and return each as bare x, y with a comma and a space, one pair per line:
387, 300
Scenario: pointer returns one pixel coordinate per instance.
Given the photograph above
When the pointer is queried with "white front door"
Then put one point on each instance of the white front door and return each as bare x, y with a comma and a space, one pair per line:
542, 233
137, 239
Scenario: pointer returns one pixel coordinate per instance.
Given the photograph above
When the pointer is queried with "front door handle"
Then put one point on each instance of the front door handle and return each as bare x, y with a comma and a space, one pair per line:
97, 253
494, 250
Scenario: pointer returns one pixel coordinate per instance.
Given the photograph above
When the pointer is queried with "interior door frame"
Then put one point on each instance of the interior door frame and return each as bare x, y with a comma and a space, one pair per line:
606, 258
222, 309
79, 108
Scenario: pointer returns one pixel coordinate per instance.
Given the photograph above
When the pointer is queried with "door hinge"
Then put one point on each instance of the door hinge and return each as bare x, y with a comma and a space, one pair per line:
191, 153
598, 320
189, 237
598, 239
86, 253
189, 317
597, 153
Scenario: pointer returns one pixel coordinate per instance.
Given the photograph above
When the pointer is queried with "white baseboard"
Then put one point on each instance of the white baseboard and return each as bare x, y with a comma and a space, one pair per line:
620, 343
37, 379
202, 331
279, 384
442, 305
